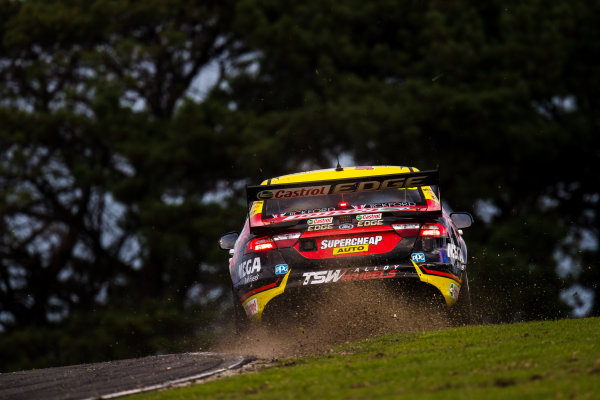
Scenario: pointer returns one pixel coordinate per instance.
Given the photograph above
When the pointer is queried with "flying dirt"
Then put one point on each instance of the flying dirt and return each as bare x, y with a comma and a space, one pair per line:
346, 314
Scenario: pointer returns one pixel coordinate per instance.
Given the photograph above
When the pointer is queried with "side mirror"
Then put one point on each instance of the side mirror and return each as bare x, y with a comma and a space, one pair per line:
227, 241
462, 220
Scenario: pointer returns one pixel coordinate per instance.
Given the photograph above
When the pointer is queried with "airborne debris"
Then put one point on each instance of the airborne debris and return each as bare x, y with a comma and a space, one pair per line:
341, 317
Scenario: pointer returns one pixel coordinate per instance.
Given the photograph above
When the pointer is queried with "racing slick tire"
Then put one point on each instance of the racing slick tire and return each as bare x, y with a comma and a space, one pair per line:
462, 312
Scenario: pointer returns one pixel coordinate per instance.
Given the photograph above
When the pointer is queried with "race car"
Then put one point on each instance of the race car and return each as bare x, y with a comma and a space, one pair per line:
346, 226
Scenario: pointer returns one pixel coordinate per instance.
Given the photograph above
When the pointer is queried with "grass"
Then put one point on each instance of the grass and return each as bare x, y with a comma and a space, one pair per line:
535, 360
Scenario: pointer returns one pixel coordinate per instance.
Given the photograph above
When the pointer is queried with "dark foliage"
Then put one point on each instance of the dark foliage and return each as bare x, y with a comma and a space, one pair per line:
119, 168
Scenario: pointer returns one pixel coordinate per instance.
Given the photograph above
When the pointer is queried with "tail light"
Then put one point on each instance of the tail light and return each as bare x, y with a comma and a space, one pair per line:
404, 227
266, 243
287, 239
261, 244
433, 230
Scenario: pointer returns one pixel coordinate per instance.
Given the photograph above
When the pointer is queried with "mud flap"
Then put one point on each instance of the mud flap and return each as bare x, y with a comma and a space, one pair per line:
448, 287
255, 305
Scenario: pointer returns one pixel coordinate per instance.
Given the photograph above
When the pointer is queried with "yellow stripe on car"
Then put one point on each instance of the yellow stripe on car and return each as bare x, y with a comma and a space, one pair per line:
263, 298
444, 285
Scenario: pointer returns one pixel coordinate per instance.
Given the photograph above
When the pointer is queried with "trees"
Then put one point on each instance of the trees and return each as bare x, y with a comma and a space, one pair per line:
487, 92
117, 177
99, 213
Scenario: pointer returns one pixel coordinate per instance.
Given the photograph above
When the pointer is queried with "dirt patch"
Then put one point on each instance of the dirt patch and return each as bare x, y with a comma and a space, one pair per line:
349, 314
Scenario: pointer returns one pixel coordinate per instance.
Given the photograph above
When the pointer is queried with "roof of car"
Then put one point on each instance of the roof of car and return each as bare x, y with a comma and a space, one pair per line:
347, 172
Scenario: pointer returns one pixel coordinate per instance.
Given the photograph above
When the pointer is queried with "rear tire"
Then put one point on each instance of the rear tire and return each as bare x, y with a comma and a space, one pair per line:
461, 312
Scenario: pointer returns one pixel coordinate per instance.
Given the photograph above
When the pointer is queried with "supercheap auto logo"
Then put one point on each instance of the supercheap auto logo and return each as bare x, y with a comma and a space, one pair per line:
350, 245
351, 249
357, 241
296, 192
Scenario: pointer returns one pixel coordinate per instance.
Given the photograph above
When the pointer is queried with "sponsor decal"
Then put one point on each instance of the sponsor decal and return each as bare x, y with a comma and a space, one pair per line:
252, 307
350, 274
319, 227
454, 252
322, 276
350, 185
337, 212
367, 207
357, 241
346, 226
320, 221
361, 276
418, 257
368, 217
454, 290
281, 269
351, 249
265, 195
256, 208
291, 193
366, 186
307, 211
248, 267
249, 279
370, 223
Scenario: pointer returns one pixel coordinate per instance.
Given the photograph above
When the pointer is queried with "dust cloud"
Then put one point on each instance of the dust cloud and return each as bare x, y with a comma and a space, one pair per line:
348, 314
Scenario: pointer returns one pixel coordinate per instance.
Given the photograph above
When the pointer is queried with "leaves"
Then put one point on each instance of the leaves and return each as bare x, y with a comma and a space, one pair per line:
116, 179
99, 193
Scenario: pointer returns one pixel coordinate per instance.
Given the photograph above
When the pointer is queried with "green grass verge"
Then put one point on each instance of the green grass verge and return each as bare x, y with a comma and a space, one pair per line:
535, 360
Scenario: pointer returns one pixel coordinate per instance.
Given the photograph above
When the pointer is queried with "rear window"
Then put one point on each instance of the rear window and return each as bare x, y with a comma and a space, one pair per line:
379, 198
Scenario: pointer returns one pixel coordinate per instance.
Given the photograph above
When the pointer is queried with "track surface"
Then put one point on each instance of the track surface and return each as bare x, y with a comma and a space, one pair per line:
114, 378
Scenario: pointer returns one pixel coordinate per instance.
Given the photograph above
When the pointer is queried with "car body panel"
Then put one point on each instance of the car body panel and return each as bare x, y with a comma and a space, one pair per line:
366, 242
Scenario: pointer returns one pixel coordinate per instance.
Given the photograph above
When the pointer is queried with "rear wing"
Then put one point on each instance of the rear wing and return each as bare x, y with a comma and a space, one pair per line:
259, 193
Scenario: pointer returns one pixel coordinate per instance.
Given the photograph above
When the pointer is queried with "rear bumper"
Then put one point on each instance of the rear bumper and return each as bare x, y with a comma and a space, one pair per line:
297, 289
